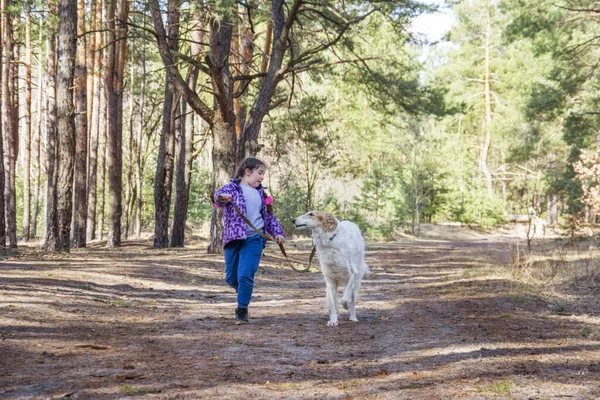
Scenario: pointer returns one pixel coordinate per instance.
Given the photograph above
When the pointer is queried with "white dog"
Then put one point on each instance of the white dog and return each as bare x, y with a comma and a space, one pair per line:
341, 251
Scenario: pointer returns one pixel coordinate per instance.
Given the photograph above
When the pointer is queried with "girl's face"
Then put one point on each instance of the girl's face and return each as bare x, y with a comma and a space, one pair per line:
254, 177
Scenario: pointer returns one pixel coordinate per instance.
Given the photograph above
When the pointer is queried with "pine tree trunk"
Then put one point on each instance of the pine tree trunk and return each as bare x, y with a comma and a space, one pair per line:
163, 182
2, 172
95, 126
138, 155
10, 135
103, 149
81, 134
27, 133
38, 139
90, 65
181, 189
67, 45
129, 195
114, 87
487, 87
186, 147
246, 51
50, 225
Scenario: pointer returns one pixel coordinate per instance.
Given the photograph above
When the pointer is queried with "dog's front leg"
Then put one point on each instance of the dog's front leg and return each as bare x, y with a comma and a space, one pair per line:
331, 297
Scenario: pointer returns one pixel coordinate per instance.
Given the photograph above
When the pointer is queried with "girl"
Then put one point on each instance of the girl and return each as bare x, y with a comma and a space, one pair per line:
242, 245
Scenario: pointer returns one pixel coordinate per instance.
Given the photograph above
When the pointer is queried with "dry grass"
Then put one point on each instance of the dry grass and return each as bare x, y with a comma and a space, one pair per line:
560, 268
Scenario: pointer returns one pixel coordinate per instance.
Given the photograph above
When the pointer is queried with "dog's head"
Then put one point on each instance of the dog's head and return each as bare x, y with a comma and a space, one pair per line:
316, 220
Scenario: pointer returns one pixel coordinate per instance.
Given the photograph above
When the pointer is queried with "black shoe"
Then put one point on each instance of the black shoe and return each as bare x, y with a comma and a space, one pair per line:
241, 316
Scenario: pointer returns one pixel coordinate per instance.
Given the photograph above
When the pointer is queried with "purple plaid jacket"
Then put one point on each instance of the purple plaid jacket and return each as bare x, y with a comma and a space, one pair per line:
234, 226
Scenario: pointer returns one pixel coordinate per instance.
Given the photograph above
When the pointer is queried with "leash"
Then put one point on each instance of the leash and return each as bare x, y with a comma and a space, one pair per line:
268, 238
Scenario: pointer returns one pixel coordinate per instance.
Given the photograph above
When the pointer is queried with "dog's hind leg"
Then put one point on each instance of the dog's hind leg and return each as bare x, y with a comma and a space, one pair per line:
350, 295
348, 291
332, 304
353, 312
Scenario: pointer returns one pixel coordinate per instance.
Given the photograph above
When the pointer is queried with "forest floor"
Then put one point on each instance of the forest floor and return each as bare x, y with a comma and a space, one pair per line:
439, 318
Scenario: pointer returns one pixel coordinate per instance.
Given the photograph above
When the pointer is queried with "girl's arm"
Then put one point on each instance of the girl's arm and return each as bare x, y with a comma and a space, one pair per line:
225, 193
272, 227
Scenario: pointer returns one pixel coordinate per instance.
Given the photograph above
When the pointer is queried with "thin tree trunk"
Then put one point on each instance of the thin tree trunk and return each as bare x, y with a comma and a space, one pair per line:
38, 139
186, 147
102, 167
27, 133
138, 155
128, 172
264, 65
95, 126
50, 225
487, 140
246, 50
163, 181
91, 61
10, 136
81, 134
164, 172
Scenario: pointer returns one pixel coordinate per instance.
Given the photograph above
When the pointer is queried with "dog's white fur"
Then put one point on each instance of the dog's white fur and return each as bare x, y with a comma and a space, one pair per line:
341, 251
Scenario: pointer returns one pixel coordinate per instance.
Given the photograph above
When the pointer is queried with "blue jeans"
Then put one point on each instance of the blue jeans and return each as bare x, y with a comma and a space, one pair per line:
241, 263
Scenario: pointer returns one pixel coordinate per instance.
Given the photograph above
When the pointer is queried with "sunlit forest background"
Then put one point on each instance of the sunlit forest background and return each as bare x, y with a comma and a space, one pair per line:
119, 117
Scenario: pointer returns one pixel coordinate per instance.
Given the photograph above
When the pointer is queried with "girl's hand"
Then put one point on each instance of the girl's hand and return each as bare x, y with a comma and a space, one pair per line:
224, 198
279, 239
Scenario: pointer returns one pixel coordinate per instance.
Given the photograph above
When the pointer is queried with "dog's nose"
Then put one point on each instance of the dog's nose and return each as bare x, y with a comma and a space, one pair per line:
293, 220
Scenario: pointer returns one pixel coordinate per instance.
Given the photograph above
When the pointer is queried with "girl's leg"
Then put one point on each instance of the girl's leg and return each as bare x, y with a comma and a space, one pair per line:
232, 260
249, 258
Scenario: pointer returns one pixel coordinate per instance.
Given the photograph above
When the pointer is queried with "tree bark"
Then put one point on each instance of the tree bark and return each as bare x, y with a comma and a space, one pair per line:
129, 194
81, 133
244, 63
2, 172
38, 139
117, 46
186, 147
103, 147
163, 181
27, 133
50, 225
67, 45
138, 154
8, 127
92, 183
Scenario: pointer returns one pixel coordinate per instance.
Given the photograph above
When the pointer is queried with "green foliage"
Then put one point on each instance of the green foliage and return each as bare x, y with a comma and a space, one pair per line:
290, 202
200, 205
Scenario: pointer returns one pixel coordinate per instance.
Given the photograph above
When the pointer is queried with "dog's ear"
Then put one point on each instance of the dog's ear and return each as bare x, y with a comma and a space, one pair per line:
329, 223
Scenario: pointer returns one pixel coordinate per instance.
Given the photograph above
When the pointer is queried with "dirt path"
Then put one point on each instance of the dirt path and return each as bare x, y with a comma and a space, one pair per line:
434, 324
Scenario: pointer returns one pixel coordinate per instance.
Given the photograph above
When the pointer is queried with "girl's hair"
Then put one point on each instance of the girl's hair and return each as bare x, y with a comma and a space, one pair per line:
250, 163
